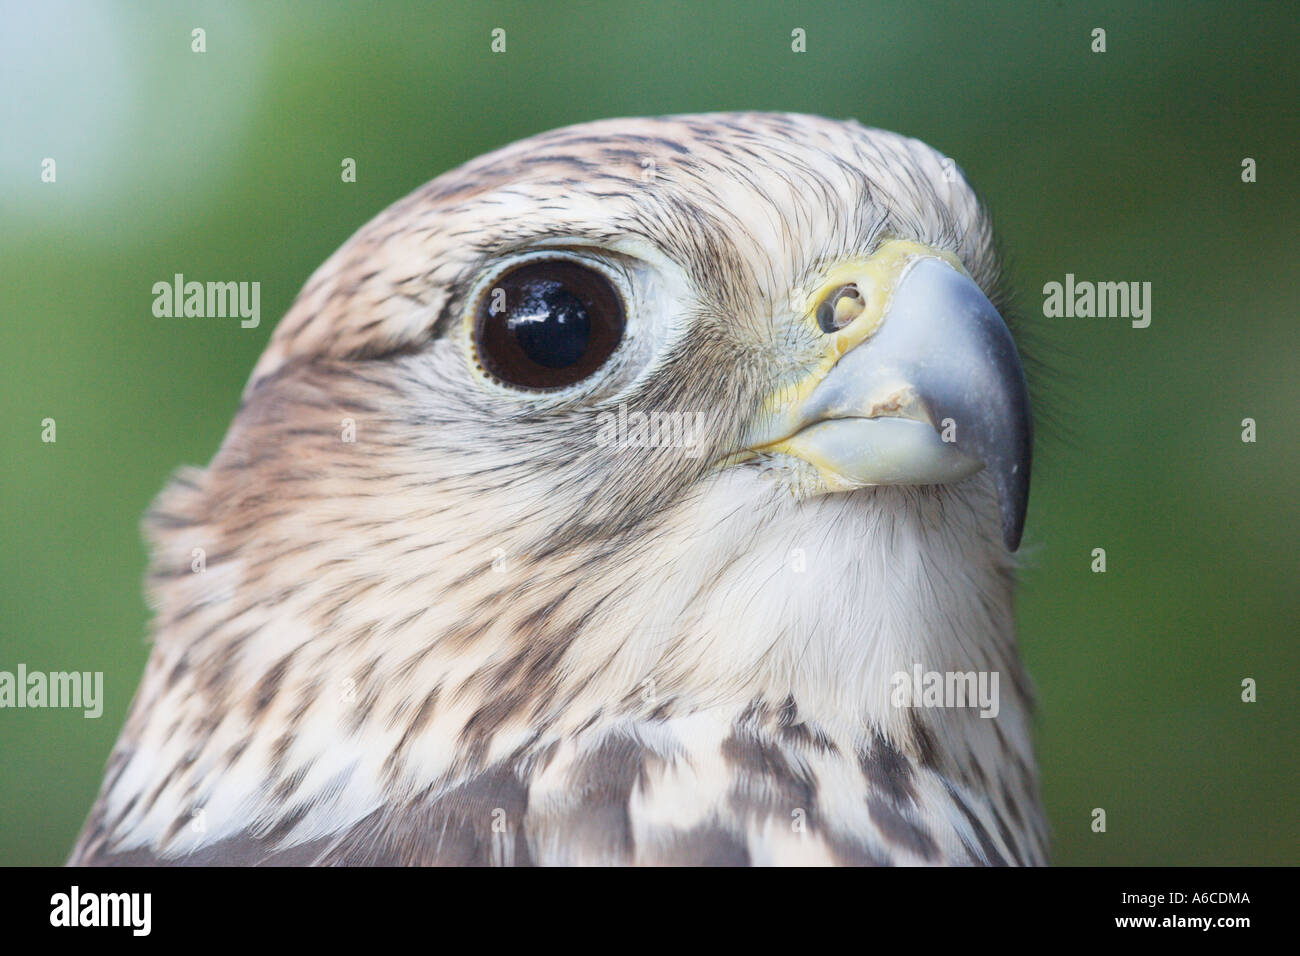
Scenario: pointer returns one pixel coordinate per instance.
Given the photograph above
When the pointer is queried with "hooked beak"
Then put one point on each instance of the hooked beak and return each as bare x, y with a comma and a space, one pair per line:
922, 385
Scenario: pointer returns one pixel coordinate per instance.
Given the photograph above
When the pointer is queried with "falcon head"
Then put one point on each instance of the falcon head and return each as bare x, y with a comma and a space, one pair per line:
634, 431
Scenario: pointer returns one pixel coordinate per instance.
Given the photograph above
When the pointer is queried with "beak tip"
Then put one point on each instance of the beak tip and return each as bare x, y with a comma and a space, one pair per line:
1012, 530
1013, 502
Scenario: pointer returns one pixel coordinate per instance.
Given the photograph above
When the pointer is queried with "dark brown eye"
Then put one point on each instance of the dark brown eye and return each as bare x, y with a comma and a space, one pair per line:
547, 324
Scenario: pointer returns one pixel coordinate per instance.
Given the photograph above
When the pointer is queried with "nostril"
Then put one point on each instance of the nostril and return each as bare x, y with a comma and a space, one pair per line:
840, 308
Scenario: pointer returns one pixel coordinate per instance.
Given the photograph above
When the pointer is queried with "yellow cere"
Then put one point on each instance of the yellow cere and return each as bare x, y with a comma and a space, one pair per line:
876, 278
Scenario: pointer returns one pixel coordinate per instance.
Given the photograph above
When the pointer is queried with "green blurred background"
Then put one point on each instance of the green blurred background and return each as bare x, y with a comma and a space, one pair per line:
1117, 166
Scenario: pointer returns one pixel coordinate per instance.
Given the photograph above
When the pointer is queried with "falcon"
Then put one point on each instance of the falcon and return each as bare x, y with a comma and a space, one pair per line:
443, 597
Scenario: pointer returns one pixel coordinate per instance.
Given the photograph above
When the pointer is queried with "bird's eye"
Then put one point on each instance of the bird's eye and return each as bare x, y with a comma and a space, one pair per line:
547, 324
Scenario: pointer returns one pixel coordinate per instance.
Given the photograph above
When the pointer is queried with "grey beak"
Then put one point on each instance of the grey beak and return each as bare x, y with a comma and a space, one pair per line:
933, 395
965, 367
